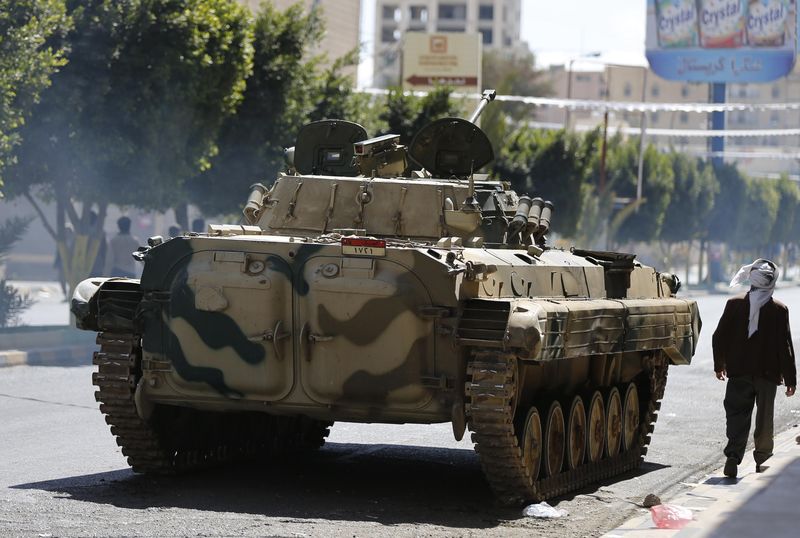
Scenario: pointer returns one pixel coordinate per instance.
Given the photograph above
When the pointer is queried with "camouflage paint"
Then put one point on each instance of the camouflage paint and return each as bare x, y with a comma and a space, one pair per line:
304, 253
379, 387
216, 329
377, 312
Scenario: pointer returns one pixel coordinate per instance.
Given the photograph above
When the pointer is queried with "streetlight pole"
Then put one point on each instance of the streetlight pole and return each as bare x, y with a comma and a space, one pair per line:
601, 187
594, 54
641, 140
569, 92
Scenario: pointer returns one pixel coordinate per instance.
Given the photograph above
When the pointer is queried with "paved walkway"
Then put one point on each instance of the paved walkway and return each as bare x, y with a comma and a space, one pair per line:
761, 505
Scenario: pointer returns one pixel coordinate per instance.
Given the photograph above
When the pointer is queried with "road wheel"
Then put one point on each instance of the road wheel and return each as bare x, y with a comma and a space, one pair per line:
532, 444
613, 422
630, 417
554, 440
596, 431
576, 433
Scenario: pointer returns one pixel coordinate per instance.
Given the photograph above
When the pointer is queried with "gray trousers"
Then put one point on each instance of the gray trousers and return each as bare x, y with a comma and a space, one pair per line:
740, 395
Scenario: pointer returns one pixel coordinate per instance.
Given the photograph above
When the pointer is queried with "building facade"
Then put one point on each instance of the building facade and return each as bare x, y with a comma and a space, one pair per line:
590, 80
342, 24
498, 22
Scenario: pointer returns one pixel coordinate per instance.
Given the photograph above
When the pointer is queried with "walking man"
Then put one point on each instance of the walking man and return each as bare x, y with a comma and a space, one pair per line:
753, 349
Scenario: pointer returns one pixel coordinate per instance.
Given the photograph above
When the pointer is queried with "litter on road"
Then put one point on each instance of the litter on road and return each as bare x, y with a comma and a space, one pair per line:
543, 510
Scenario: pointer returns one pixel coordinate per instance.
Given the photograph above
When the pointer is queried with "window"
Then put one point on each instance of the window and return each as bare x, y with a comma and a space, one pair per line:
487, 36
628, 90
486, 12
655, 91
453, 11
654, 117
389, 34
684, 118
684, 91
774, 119
776, 92
389, 12
418, 13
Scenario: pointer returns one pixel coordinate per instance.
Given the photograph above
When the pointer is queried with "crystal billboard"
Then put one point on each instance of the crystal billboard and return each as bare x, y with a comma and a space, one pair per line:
722, 40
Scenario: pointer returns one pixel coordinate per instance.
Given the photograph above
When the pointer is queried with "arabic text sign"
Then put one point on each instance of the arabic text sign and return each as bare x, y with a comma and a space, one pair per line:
452, 59
722, 40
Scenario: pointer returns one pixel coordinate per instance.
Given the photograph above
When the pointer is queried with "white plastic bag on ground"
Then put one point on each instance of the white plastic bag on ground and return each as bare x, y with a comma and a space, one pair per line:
543, 510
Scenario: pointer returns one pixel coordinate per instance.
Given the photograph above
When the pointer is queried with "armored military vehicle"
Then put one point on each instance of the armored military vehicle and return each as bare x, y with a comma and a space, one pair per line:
374, 282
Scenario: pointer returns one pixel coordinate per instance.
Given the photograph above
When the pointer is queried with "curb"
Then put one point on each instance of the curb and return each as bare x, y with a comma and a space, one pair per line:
80, 355
13, 357
724, 507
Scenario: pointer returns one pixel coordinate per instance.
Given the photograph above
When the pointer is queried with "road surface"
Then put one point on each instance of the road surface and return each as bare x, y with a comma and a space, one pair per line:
61, 473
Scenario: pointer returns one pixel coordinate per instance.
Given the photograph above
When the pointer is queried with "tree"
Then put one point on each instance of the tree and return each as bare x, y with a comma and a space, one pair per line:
30, 52
752, 233
645, 223
134, 113
728, 207
690, 205
286, 90
692, 200
783, 231
512, 73
12, 303
789, 194
550, 164
405, 114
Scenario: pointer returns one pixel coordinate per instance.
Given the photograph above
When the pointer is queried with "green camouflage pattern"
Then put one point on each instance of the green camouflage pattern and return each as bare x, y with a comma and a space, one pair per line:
276, 316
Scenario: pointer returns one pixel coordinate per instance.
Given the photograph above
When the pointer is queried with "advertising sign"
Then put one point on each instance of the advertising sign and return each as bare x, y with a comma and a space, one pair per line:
451, 59
722, 40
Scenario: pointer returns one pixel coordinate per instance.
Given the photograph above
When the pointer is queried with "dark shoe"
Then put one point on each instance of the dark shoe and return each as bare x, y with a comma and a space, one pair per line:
730, 468
759, 468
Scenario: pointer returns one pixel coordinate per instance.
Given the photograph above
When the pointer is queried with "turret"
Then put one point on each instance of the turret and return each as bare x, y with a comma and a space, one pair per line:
340, 180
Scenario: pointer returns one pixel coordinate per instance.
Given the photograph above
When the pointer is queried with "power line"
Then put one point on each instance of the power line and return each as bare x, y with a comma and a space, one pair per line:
696, 133
615, 106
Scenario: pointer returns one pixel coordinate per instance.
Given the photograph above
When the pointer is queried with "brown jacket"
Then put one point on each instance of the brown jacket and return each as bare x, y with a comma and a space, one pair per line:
768, 353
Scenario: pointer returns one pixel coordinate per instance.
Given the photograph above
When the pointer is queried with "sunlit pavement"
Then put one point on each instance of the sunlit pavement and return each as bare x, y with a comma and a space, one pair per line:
49, 303
754, 504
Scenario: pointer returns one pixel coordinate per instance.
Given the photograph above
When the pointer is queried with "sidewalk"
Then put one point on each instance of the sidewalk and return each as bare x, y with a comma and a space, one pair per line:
45, 336
752, 505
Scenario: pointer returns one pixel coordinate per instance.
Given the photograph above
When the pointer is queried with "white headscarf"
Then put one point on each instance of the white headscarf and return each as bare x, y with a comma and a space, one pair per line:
762, 274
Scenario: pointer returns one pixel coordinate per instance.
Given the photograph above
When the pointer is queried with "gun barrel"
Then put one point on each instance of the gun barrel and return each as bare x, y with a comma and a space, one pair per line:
488, 95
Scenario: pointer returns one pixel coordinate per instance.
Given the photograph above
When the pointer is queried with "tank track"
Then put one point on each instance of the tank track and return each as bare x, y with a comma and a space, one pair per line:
172, 443
491, 393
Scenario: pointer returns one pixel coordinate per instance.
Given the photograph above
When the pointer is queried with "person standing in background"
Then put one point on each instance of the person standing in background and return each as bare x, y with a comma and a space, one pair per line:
199, 226
119, 261
753, 349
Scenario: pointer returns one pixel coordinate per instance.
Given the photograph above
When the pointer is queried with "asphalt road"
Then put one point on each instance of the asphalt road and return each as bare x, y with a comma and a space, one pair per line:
61, 473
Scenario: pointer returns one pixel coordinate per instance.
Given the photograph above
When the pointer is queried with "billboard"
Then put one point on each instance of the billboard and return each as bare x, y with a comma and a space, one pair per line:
722, 40
447, 59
